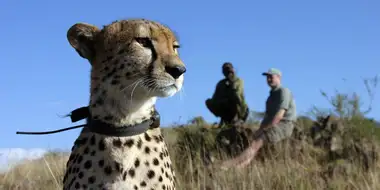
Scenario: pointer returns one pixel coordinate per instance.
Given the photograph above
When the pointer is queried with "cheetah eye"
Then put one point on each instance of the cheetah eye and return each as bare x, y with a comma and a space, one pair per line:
144, 41
175, 48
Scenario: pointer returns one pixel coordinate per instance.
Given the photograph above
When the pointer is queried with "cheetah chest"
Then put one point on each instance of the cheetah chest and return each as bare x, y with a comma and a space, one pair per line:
137, 162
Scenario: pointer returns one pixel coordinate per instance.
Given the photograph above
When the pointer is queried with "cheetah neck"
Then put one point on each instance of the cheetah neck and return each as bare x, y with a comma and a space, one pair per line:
123, 112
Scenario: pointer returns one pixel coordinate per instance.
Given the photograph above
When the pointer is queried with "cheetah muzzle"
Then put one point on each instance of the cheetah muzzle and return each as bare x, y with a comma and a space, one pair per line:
132, 63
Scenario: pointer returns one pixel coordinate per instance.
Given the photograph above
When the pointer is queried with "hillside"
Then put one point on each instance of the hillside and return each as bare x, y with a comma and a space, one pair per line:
315, 158
339, 149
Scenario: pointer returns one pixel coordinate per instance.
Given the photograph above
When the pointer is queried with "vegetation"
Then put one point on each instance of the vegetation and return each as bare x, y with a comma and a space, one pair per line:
337, 148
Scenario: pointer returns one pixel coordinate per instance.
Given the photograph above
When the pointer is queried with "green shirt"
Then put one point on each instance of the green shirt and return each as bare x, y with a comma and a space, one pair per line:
280, 98
231, 92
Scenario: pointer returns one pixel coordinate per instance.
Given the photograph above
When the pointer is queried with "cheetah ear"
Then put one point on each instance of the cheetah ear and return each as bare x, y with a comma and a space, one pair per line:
81, 37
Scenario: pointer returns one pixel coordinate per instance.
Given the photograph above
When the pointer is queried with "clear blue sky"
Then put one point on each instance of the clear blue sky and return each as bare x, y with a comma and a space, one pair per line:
314, 43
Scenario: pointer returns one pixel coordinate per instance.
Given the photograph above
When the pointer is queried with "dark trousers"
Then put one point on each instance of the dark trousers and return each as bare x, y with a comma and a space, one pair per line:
226, 111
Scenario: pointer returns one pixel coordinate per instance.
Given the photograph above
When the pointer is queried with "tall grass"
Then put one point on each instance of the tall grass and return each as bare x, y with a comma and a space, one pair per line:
296, 163
291, 164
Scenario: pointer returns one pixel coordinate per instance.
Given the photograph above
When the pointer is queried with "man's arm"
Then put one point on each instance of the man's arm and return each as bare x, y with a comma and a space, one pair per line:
216, 91
239, 91
281, 109
279, 115
219, 94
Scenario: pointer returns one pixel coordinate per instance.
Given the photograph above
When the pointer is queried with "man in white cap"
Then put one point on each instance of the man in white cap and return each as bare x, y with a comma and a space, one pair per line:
278, 122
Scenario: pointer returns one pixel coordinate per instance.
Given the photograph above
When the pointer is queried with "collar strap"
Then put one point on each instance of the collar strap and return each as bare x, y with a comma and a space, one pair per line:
97, 126
100, 127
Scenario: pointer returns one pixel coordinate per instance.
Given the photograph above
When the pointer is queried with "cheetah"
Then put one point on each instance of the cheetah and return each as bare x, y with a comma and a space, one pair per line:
133, 62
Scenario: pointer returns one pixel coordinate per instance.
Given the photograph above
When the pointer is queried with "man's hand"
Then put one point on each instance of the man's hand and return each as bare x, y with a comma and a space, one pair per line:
230, 76
277, 118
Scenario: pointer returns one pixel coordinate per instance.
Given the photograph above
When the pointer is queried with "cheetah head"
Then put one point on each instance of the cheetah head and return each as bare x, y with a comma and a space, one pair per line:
130, 59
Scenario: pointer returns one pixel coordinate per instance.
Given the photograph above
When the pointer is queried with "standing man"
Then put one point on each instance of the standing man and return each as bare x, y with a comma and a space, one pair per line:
278, 122
228, 100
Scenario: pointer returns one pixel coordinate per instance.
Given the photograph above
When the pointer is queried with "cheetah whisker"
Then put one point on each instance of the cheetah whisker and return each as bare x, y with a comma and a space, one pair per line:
134, 82
182, 94
137, 83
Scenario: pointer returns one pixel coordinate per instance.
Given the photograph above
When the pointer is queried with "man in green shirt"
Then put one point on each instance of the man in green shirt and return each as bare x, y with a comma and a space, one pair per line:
278, 122
228, 100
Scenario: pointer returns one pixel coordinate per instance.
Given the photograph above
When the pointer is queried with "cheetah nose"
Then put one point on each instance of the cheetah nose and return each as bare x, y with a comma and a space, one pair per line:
176, 71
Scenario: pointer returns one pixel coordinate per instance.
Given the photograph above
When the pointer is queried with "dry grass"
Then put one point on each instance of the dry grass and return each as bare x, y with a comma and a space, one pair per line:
291, 165
45, 173
282, 170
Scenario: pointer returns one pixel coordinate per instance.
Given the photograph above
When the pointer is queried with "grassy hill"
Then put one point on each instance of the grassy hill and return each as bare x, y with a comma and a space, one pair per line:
339, 155
339, 149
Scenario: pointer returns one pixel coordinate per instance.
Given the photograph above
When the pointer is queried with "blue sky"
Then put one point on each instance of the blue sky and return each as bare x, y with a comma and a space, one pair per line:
314, 43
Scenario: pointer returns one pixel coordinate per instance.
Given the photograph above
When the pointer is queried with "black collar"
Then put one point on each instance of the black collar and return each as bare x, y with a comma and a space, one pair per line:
100, 127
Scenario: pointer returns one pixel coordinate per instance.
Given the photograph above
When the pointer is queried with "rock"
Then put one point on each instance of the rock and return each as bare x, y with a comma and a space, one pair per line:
234, 140
338, 168
327, 133
363, 152
330, 134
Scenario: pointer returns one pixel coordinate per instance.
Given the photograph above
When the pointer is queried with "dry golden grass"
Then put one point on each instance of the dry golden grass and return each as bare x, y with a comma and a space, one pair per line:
293, 165
282, 170
45, 173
